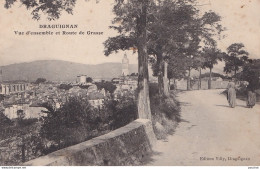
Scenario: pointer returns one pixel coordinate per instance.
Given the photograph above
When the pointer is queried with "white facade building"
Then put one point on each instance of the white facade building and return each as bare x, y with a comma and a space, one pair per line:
10, 88
125, 66
82, 79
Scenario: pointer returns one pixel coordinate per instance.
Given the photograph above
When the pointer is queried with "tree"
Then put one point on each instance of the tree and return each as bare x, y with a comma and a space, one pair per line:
212, 56
120, 112
206, 29
40, 80
108, 86
132, 16
134, 74
2, 97
69, 124
52, 8
20, 115
171, 22
198, 30
4, 121
65, 86
251, 74
89, 80
176, 69
236, 57
199, 61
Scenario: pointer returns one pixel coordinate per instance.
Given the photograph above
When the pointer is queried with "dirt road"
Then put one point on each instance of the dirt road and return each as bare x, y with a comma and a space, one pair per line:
211, 133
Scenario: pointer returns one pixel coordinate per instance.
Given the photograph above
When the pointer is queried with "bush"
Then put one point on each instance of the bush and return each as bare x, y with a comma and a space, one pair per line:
171, 108
165, 113
77, 121
16, 127
65, 86
173, 87
108, 86
40, 80
68, 125
242, 90
251, 74
153, 90
4, 121
2, 97
84, 86
26, 122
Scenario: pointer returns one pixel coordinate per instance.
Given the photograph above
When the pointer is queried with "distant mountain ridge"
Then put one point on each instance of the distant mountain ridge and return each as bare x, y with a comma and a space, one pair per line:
57, 70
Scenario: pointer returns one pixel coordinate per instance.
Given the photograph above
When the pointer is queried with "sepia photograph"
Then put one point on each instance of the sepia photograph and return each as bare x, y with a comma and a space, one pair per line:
130, 83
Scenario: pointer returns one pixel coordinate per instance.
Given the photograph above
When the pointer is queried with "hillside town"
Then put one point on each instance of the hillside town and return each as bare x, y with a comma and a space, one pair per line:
70, 97
30, 97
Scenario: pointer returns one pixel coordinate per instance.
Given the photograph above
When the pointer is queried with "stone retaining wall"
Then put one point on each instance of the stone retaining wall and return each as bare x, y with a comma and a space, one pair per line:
182, 85
128, 145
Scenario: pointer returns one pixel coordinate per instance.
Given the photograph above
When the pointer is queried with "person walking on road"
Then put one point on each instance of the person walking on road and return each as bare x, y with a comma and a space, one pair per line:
251, 97
231, 95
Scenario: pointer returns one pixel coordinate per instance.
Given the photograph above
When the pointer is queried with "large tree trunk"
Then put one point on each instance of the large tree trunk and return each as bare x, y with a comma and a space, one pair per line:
166, 85
175, 84
199, 78
23, 150
210, 78
188, 80
160, 76
169, 83
144, 110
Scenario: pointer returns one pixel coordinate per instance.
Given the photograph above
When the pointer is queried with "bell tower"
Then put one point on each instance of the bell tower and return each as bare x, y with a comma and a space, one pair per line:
125, 66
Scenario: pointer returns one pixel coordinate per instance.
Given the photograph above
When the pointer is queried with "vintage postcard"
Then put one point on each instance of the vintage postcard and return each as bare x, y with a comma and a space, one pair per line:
130, 83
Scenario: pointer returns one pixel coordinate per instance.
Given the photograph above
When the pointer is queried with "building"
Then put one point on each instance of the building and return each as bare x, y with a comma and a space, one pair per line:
92, 88
29, 111
125, 66
7, 88
1, 76
130, 81
126, 84
96, 99
82, 79
12, 88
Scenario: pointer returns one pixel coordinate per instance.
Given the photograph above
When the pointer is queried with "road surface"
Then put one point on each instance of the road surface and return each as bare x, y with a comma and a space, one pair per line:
211, 133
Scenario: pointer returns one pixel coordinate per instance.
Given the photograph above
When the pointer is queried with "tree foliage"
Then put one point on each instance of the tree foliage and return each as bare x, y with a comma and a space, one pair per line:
2, 97
211, 57
65, 86
251, 74
4, 121
51, 8
108, 86
40, 80
171, 25
236, 57
69, 124
89, 80
131, 22
177, 68
120, 112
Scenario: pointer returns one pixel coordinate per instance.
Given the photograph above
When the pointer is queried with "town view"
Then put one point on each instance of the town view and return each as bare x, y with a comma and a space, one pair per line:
187, 99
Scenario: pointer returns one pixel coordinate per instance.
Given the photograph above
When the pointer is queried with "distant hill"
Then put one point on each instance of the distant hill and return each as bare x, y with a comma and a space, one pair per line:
56, 70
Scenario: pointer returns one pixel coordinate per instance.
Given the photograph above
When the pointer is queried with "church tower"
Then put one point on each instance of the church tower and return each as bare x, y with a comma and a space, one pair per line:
125, 66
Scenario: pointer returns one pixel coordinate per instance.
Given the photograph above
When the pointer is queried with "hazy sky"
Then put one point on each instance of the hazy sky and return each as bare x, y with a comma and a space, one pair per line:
240, 17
